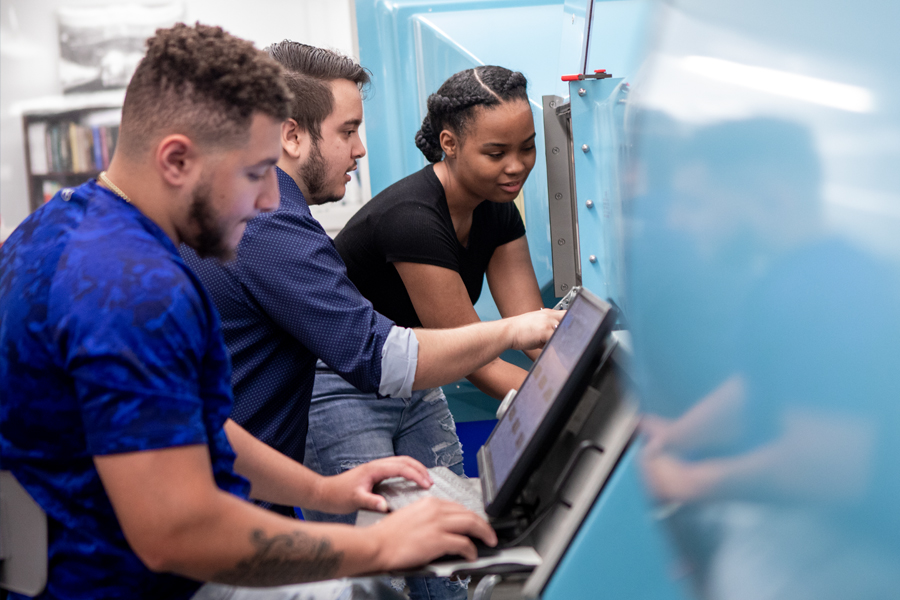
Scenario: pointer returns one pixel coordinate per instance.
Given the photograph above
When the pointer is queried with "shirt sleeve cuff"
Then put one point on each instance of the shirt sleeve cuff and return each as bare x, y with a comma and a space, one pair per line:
399, 357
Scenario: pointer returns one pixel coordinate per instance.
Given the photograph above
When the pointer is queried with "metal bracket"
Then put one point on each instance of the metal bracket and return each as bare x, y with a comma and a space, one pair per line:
559, 153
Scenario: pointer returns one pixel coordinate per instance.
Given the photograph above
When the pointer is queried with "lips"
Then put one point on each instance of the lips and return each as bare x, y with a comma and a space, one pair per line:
512, 187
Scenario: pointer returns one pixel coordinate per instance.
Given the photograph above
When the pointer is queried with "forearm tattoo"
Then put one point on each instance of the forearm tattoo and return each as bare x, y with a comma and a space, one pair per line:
282, 559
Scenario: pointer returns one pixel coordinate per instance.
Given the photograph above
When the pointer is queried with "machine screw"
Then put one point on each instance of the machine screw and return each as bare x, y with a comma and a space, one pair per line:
582, 91
585, 148
555, 150
552, 104
592, 258
558, 196
589, 204
561, 242
564, 286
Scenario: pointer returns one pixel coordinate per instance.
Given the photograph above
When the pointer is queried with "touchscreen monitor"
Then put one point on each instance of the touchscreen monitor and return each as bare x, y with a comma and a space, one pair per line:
554, 384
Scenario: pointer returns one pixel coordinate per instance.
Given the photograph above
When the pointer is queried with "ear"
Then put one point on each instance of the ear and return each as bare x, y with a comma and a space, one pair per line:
178, 159
449, 143
294, 139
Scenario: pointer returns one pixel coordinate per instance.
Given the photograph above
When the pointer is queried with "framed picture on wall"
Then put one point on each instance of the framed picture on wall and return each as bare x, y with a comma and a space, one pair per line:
100, 45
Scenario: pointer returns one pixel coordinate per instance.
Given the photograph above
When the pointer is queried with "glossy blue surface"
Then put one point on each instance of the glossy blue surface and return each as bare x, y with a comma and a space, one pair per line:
762, 278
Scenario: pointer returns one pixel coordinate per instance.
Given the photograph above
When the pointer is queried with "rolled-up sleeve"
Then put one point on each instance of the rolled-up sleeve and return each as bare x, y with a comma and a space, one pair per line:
399, 358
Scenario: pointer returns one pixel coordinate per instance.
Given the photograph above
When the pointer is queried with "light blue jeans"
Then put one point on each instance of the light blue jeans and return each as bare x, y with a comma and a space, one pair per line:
348, 427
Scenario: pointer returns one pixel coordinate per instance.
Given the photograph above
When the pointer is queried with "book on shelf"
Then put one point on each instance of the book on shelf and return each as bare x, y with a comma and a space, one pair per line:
73, 146
97, 146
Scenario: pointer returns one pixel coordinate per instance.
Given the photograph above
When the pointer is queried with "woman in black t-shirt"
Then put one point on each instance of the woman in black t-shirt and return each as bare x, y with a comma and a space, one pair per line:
419, 251
421, 248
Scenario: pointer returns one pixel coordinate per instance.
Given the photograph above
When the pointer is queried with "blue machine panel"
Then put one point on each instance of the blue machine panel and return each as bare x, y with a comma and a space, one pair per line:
600, 149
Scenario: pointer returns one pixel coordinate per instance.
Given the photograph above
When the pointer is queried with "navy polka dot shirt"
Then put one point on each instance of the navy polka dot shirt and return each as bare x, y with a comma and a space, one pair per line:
285, 301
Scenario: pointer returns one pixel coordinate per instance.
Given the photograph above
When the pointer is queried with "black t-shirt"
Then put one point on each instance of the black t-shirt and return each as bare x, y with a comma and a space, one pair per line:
410, 222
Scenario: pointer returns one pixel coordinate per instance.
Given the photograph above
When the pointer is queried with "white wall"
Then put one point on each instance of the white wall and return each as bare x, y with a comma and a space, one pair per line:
29, 53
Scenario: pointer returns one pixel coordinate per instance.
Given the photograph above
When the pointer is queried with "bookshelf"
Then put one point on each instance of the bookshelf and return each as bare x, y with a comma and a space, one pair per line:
68, 140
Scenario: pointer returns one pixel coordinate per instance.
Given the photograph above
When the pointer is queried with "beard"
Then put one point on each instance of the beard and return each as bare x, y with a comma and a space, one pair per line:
314, 173
210, 239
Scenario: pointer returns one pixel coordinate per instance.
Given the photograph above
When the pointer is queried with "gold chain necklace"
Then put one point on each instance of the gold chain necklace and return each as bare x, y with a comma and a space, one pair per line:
105, 179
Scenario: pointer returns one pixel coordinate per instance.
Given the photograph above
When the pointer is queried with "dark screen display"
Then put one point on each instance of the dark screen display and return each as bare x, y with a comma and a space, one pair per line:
542, 387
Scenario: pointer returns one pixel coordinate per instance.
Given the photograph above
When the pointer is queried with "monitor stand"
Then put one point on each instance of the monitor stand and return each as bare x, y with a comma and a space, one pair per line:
569, 480
562, 490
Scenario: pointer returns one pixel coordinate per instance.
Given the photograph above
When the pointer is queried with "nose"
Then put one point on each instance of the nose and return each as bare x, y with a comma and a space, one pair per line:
269, 197
521, 162
515, 165
359, 150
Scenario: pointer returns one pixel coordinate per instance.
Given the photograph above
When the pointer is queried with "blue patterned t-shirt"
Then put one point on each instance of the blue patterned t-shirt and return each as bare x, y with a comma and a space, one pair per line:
108, 344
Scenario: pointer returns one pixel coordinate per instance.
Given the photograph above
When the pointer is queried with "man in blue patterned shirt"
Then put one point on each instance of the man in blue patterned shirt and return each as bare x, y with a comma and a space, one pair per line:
114, 376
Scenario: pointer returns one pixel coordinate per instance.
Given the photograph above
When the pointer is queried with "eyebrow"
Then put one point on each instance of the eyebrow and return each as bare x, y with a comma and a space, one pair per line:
266, 162
354, 122
499, 145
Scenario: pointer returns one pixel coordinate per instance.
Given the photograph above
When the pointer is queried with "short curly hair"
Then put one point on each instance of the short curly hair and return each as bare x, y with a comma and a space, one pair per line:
453, 104
202, 82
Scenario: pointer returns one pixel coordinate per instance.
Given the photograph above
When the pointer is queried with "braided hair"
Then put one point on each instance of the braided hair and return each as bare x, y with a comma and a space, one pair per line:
452, 105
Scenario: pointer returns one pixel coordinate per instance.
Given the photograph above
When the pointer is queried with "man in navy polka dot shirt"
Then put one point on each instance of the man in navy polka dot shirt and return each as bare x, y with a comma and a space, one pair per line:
286, 300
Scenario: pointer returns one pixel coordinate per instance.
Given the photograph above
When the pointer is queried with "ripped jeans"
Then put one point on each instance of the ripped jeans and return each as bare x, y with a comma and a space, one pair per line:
348, 427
